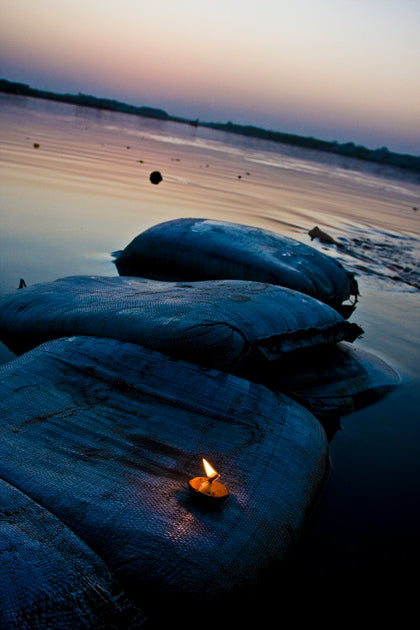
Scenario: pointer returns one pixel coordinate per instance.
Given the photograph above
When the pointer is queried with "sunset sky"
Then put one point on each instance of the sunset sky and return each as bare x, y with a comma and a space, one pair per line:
345, 70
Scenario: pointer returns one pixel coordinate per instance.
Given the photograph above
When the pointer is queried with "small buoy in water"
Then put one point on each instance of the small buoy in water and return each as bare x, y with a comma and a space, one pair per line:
36, 145
22, 284
155, 177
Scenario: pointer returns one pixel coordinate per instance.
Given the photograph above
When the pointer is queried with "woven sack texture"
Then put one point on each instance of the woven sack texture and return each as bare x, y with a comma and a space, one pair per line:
49, 578
335, 380
203, 249
221, 323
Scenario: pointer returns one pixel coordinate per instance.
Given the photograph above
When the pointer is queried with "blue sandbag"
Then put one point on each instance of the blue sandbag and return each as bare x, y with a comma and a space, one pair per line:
226, 324
105, 435
49, 578
204, 249
332, 381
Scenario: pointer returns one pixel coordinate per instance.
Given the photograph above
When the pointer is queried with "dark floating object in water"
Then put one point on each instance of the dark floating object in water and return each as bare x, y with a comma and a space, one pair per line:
22, 284
323, 237
105, 438
225, 324
155, 177
36, 145
201, 249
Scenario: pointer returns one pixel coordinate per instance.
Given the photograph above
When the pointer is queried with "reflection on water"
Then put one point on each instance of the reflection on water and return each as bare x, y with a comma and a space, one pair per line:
85, 192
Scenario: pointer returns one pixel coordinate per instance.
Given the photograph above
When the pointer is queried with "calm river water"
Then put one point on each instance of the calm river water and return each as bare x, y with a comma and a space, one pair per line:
84, 193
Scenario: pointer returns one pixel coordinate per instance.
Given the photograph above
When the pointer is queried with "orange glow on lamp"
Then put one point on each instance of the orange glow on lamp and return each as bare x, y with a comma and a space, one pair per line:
208, 488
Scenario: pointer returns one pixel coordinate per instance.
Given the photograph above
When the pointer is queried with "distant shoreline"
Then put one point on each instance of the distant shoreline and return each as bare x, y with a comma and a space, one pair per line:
349, 149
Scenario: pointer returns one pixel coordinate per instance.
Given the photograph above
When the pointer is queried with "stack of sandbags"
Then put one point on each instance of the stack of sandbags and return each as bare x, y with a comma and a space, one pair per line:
265, 333
125, 383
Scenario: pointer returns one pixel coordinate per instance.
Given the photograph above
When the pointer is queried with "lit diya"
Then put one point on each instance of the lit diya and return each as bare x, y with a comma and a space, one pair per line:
208, 488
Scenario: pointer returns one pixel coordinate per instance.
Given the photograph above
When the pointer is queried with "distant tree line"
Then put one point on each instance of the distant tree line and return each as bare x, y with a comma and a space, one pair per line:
381, 156
82, 99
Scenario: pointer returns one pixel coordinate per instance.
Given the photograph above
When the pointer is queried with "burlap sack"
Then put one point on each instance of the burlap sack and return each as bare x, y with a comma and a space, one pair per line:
226, 324
332, 381
204, 249
49, 578
105, 435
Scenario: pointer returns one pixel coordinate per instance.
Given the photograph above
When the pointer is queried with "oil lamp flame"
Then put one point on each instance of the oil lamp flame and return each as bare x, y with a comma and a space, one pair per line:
211, 474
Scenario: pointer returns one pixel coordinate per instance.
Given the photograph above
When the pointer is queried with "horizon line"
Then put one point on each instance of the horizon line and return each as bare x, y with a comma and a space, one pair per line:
349, 149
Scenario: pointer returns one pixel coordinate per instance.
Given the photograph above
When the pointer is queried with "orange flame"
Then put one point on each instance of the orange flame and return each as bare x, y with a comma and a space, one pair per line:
210, 472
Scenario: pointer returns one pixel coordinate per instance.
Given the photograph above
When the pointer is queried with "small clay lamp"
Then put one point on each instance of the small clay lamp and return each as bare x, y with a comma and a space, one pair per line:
208, 488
